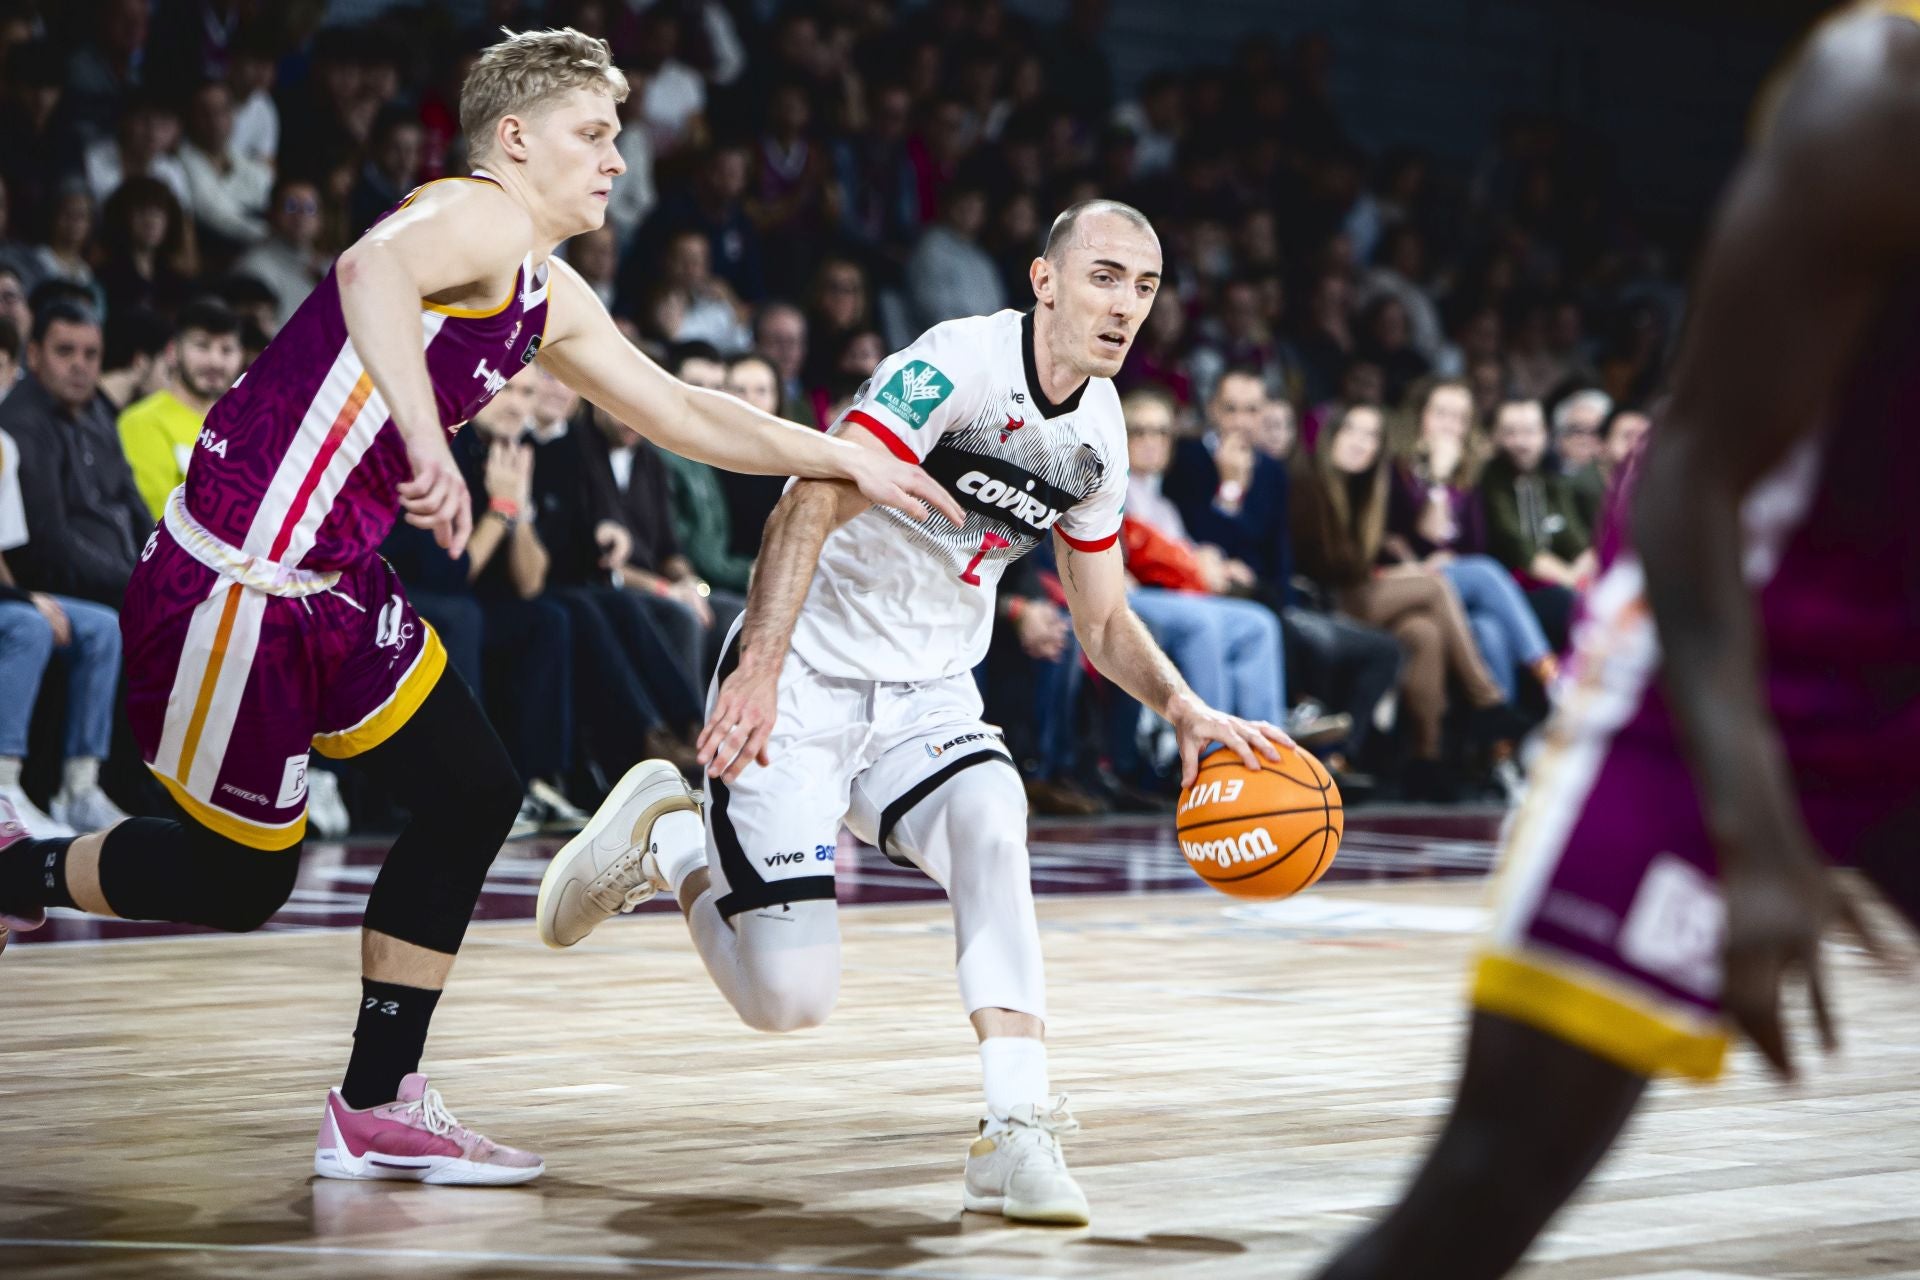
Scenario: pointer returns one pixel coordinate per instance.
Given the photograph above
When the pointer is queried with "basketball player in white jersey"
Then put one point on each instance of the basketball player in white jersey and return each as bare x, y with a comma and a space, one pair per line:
845, 694
262, 624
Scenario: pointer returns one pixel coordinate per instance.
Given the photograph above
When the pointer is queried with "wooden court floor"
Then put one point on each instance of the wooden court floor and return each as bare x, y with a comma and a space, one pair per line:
1251, 1091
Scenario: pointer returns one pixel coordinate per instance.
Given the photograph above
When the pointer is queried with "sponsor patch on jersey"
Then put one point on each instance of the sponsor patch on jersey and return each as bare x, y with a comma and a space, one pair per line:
914, 392
533, 349
999, 489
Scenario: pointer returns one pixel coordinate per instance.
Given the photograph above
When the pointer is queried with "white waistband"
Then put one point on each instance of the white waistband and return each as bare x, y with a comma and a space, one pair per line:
256, 572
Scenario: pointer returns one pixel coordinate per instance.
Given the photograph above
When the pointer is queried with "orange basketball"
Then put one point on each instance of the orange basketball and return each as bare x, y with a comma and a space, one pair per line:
1260, 833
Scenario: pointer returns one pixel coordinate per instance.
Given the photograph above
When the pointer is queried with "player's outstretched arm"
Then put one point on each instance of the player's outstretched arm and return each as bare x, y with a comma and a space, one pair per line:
743, 712
590, 355
1822, 216
453, 239
1121, 649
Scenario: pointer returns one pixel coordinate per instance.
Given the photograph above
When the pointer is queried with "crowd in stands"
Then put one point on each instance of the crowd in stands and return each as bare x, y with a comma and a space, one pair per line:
1372, 417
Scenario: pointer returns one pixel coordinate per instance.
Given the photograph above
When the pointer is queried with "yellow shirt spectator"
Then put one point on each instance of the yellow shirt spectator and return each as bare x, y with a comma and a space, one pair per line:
158, 434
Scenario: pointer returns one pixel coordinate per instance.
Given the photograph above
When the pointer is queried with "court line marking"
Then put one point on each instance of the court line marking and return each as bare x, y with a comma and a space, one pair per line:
538, 1259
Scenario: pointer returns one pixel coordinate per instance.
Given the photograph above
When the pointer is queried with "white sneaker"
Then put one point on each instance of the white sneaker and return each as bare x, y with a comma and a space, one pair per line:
39, 825
1020, 1172
560, 815
87, 810
326, 811
610, 866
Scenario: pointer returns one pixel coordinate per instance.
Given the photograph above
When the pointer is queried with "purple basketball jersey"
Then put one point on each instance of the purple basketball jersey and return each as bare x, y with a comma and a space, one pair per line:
299, 463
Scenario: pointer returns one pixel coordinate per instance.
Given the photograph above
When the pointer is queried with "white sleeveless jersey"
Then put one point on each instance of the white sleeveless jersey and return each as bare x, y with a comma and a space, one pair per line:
899, 600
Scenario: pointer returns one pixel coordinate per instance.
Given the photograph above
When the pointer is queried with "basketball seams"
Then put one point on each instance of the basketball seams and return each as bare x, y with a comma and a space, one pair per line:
1182, 829
1320, 795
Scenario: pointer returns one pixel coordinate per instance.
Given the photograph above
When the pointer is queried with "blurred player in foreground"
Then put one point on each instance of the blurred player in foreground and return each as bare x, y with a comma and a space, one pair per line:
1744, 707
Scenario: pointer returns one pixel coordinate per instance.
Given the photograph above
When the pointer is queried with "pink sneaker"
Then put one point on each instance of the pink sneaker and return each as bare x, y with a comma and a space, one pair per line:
414, 1139
12, 831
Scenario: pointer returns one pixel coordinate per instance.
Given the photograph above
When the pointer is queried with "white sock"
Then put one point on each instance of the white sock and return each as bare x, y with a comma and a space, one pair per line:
9, 771
82, 775
1015, 1071
681, 842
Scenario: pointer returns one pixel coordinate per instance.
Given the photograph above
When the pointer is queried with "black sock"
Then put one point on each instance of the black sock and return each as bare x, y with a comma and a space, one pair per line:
33, 874
387, 1042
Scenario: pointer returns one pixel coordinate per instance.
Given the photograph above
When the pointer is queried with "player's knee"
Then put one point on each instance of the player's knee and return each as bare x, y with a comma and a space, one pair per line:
246, 886
796, 998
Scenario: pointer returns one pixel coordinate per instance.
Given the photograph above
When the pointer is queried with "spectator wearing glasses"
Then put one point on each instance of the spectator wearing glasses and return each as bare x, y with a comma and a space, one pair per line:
1578, 419
288, 261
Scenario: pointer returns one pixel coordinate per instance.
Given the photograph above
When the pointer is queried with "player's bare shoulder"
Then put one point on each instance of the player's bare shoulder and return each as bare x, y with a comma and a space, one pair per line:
466, 236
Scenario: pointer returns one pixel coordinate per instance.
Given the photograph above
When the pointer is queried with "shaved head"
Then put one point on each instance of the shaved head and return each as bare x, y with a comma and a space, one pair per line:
1066, 227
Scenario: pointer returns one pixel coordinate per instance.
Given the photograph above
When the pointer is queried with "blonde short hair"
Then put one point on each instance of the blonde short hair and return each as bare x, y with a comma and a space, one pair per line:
517, 75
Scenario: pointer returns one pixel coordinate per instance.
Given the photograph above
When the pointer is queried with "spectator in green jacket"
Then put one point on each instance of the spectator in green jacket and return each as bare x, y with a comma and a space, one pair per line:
702, 523
1536, 522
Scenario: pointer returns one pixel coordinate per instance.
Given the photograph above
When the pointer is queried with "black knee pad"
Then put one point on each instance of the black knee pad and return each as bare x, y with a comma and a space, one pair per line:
155, 869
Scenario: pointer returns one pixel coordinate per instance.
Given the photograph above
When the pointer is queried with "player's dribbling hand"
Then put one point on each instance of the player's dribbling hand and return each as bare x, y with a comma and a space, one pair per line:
892, 483
1780, 897
436, 498
1197, 724
736, 733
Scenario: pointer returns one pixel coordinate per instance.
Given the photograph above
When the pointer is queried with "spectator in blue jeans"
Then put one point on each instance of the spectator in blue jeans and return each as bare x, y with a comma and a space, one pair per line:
1030, 683
33, 626
1435, 518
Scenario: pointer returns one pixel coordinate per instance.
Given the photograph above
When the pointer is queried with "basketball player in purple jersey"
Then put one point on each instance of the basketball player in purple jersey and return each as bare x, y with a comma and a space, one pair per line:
261, 622
1744, 705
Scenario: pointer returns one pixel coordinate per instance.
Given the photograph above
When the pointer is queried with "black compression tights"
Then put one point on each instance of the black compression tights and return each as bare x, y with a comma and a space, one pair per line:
446, 765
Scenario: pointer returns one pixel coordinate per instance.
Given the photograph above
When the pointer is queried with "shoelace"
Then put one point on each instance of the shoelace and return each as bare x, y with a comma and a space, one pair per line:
1045, 1128
433, 1114
611, 891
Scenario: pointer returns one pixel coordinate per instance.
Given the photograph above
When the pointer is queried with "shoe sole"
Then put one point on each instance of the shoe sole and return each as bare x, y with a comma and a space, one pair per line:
1046, 1215
439, 1171
560, 872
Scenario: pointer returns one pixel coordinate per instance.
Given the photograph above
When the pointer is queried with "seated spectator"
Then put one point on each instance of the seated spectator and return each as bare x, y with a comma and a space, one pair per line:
674, 96
1399, 268
1620, 437
839, 306
9, 361
682, 602
1030, 683
288, 261
13, 298
780, 338
595, 256
691, 304
33, 626
149, 259
1386, 339
1160, 355
1227, 649
1241, 337
391, 169
158, 433
635, 695
142, 147
702, 522
857, 354
86, 520
789, 201
1535, 525
713, 205
511, 644
256, 117
65, 253
1434, 519
1339, 523
1233, 502
751, 499
135, 362
228, 189
1577, 420
949, 275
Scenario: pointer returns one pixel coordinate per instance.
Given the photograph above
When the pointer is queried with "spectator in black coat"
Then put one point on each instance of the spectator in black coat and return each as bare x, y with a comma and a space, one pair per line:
86, 517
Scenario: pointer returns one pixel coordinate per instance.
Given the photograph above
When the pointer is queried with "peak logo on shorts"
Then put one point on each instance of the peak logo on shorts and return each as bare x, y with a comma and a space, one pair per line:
914, 392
